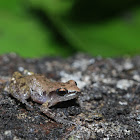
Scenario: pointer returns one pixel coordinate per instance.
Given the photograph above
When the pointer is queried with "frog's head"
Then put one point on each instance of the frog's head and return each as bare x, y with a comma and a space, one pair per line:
65, 92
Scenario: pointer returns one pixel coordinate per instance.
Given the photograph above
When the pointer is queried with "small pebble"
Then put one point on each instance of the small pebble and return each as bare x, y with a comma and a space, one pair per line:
8, 133
124, 84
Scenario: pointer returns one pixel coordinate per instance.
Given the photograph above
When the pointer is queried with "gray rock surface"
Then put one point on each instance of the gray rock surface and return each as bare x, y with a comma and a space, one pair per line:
108, 106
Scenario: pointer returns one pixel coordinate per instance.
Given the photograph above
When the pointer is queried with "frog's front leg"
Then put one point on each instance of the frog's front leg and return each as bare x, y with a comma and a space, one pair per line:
45, 109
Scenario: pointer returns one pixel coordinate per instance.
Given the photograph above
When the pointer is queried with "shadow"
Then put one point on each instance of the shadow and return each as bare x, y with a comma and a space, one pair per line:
98, 11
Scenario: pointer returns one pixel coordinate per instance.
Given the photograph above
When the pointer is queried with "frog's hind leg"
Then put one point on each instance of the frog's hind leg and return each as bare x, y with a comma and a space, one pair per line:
22, 98
28, 106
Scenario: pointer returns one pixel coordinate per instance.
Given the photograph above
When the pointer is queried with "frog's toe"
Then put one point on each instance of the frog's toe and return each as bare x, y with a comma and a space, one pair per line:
61, 115
28, 106
64, 121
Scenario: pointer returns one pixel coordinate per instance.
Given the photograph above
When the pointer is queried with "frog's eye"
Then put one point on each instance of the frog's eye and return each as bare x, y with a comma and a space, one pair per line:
62, 91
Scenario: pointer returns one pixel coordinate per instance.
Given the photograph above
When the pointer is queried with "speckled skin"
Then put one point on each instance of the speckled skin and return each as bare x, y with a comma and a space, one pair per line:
41, 90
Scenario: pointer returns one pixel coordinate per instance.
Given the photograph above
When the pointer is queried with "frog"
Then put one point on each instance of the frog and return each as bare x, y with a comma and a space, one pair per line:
41, 90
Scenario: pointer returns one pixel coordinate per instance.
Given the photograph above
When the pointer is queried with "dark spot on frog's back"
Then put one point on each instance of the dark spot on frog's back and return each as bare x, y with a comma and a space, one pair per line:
63, 84
22, 84
44, 93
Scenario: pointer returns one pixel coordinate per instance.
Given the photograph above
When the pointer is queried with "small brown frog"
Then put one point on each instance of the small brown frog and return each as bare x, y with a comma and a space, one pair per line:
41, 90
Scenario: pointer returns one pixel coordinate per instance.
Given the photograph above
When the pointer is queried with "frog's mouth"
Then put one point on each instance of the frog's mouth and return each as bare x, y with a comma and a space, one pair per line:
68, 96
72, 94
57, 98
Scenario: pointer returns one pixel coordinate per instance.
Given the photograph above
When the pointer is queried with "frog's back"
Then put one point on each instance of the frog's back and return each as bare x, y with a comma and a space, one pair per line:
18, 86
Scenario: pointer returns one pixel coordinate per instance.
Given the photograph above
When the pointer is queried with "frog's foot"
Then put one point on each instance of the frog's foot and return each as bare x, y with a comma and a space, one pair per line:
55, 117
28, 106
64, 121
61, 115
